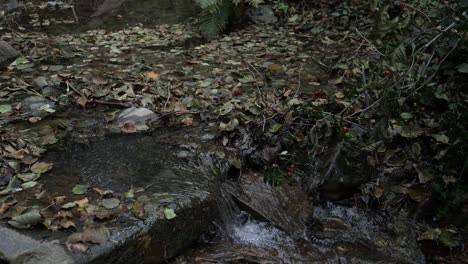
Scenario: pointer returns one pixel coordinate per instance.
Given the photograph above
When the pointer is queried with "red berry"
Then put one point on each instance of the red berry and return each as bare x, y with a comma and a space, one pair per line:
345, 128
289, 173
387, 72
422, 109
292, 166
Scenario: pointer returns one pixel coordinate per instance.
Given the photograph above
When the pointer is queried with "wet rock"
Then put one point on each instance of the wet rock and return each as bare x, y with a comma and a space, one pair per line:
135, 115
117, 163
40, 82
184, 154
50, 91
20, 249
363, 236
286, 207
37, 104
339, 174
264, 14
9, 5
7, 54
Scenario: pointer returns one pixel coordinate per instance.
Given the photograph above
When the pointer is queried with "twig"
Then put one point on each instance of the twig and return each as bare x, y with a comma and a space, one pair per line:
299, 80
255, 76
368, 41
417, 10
109, 103
69, 85
74, 14
168, 97
320, 63
436, 37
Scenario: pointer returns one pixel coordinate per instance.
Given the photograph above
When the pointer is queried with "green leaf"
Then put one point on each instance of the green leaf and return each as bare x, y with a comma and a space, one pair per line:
69, 205
41, 167
275, 127
441, 138
110, 203
399, 54
28, 185
80, 189
28, 176
226, 108
130, 194
463, 68
229, 126
26, 220
5, 108
406, 115
169, 214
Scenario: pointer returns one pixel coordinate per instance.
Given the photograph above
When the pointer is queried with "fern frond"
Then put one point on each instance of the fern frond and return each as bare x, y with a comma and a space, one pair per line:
214, 16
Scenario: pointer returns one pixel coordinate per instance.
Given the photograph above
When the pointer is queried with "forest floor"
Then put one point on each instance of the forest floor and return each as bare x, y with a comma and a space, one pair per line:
276, 81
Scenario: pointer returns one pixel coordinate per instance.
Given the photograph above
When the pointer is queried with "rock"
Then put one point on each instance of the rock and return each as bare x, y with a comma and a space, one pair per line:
286, 207
339, 174
40, 82
20, 249
119, 162
263, 14
363, 236
134, 115
37, 103
50, 91
9, 5
7, 54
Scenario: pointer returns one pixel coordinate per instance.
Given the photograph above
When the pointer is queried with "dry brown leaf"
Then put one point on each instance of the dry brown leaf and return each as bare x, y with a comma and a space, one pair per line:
83, 100
77, 247
99, 80
188, 121
97, 234
83, 203
153, 75
6, 206
236, 91
276, 67
28, 159
129, 128
59, 199
138, 209
68, 224
19, 154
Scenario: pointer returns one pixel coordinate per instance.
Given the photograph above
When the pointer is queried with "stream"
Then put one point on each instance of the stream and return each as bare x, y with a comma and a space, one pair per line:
219, 216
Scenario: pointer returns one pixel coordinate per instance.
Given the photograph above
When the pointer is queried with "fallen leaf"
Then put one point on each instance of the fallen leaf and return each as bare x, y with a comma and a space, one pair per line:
129, 128
58, 199
77, 247
69, 205
97, 234
83, 203
41, 167
6, 206
187, 121
110, 203
28, 185
26, 220
169, 214
153, 75
19, 154
80, 189
83, 100
441, 138
276, 67
99, 80
28, 176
